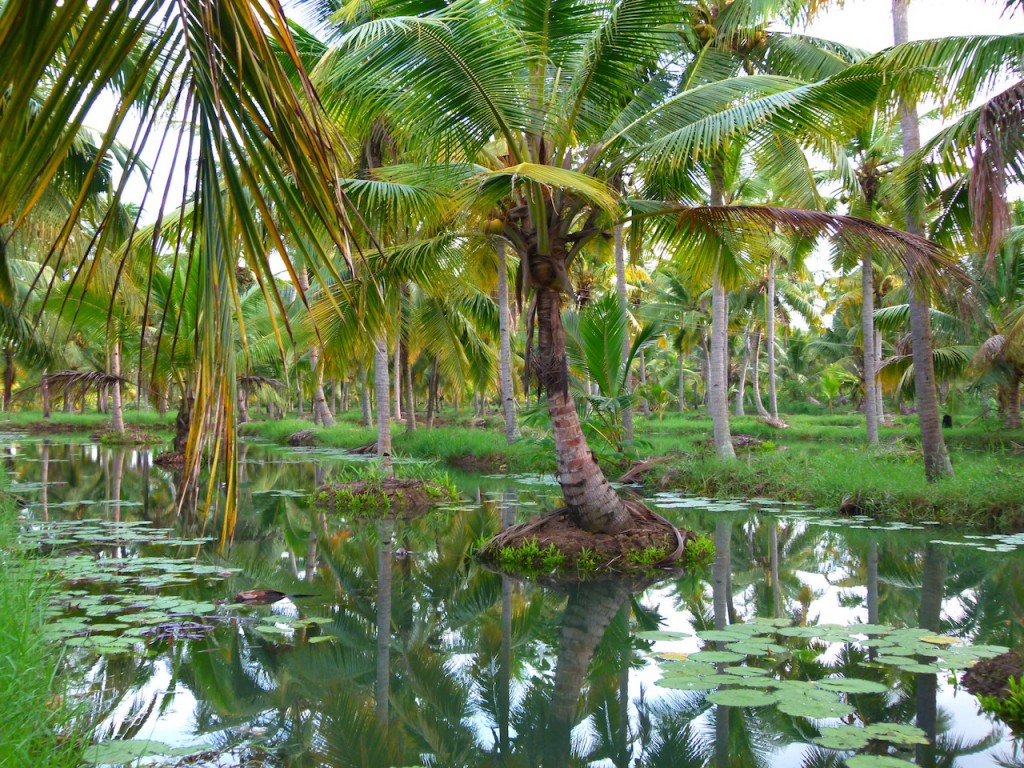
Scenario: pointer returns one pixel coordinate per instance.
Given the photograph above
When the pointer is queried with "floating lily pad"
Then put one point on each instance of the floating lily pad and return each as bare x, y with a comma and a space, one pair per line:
897, 733
123, 751
721, 635
322, 639
717, 657
813, 708
851, 685
754, 648
939, 640
690, 683
842, 737
746, 671
877, 761
661, 634
743, 697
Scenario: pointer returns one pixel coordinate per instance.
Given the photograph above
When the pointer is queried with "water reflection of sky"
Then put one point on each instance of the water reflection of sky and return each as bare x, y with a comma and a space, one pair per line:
828, 571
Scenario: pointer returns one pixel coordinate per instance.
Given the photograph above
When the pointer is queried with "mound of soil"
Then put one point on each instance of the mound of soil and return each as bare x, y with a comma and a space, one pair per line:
610, 550
469, 463
130, 436
303, 438
990, 677
169, 460
394, 495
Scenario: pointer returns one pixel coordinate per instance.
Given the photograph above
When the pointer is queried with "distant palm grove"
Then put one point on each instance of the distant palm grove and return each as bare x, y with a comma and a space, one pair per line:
562, 218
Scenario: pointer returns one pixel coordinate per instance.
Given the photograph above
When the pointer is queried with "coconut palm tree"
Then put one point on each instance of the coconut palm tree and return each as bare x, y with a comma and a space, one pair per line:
576, 97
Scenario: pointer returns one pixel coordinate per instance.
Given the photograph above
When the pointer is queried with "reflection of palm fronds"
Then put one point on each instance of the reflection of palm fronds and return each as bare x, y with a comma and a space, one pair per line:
60, 382
252, 382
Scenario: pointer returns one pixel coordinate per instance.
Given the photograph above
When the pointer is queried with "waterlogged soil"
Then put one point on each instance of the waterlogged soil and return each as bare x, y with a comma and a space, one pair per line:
810, 640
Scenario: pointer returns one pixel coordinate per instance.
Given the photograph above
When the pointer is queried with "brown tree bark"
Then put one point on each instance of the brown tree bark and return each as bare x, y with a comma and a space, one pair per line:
591, 502
936, 459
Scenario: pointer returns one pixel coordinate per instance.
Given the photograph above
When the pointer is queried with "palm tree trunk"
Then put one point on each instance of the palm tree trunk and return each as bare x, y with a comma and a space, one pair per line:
382, 384
44, 390
8, 377
364, 398
1013, 402
867, 285
740, 389
117, 418
432, 394
756, 378
620, 286
591, 502
407, 390
773, 400
718, 395
645, 407
397, 405
508, 395
682, 383
878, 384
936, 459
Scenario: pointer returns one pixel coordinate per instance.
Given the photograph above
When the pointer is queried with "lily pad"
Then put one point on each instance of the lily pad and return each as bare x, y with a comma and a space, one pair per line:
721, 635
814, 709
690, 683
743, 697
842, 737
852, 685
662, 634
897, 733
123, 751
717, 657
877, 761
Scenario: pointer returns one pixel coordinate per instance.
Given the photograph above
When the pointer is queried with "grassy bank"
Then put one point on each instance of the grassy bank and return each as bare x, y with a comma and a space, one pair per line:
820, 460
37, 722
84, 422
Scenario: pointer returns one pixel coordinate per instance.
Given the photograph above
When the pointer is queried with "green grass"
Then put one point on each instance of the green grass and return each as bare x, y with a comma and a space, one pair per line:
823, 460
38, 725
88, 421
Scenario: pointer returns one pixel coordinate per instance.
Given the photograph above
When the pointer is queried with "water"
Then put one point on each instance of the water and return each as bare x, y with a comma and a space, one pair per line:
433, 660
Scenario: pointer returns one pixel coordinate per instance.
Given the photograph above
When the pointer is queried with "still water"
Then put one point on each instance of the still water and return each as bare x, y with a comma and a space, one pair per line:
402, 651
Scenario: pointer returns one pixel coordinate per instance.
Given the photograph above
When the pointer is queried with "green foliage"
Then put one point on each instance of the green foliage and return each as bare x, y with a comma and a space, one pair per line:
1009, 708
586, 561
699, 551
40, 724
529, 558
648, 557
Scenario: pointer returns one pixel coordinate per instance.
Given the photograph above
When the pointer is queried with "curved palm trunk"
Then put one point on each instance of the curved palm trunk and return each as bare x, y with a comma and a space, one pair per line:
867, 286
591, 502
773, 400
382, 383
591, 608
620, 286
718, 393
936, 458
508, 396
117, 418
